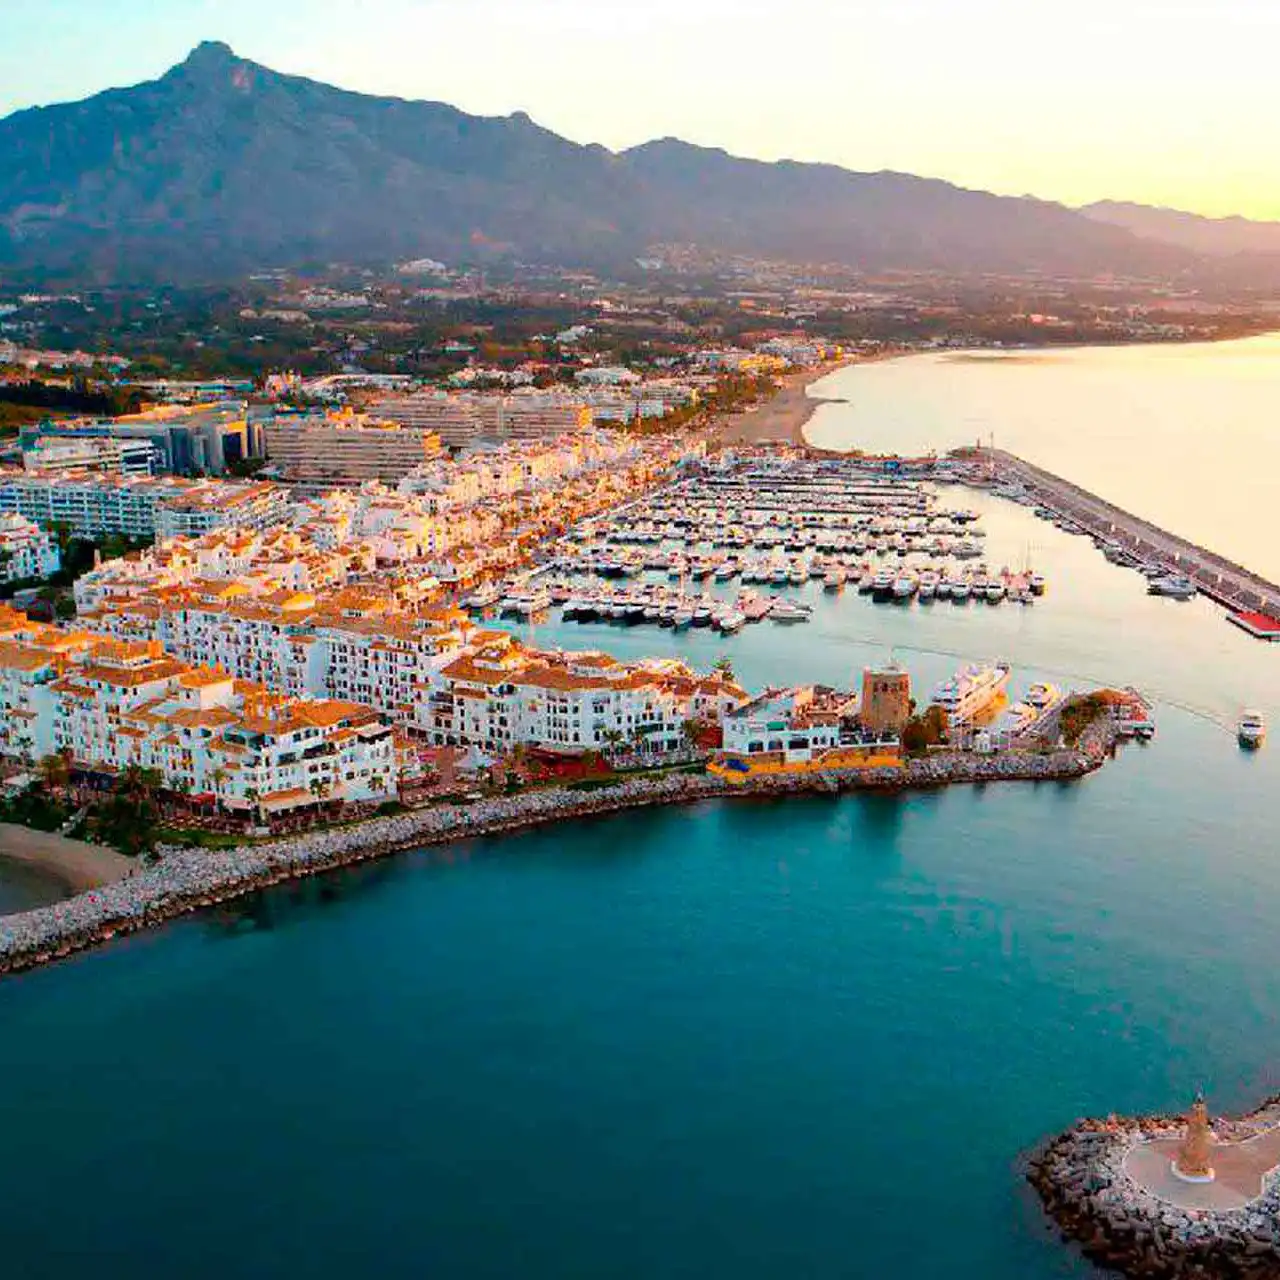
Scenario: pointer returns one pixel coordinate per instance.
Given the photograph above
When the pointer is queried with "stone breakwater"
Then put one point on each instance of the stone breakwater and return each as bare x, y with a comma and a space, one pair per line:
1083, 1179
186, 880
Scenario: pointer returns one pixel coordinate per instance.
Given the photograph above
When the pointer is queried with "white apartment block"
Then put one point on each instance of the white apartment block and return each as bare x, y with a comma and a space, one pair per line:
26, 550
114, 704
139, 506
500, 694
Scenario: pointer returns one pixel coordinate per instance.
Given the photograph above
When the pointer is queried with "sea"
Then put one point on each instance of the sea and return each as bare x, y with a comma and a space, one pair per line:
751, 1039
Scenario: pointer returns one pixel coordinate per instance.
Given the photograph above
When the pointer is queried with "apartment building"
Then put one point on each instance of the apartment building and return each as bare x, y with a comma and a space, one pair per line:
139, 506
499, 694
26, 550
113, 704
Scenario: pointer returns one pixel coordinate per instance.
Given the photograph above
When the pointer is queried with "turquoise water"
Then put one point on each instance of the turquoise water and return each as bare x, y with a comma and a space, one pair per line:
748, 1039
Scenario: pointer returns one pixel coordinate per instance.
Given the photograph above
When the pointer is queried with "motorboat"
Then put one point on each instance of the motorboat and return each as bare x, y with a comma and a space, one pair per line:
1251, 732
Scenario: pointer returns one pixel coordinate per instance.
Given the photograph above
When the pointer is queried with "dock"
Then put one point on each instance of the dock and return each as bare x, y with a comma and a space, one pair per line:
1250, 598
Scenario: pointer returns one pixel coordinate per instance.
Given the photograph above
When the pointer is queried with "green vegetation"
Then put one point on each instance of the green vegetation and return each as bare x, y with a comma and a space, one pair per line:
81, 397
130, 818
1079, 713
34, 808
925, 731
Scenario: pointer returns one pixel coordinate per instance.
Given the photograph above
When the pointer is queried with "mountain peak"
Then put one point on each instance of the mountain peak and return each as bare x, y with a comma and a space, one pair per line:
211, 53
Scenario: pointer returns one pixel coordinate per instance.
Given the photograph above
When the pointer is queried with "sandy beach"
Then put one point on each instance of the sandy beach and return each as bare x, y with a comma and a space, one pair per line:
782, 418
78, 865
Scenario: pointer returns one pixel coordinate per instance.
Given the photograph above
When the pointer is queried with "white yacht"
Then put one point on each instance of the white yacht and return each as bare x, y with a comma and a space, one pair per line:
971, 691
789, 611
1251, 732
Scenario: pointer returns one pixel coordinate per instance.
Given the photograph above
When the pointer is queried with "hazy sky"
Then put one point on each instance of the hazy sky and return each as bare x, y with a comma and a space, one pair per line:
1164, 101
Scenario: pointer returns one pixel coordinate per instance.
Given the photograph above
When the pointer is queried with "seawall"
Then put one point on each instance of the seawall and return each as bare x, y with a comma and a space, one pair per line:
186, 880
1221, 579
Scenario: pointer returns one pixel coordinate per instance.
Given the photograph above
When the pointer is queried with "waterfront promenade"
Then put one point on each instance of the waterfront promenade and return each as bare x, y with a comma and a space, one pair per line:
1215, 576
187, 880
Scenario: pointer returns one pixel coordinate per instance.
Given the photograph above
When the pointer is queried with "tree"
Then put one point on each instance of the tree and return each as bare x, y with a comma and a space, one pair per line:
724, 667
253, 796
692, 731
55, 771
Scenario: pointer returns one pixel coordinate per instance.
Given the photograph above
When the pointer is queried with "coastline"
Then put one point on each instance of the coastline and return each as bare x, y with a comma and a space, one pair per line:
782, 418
185, 881
75, 863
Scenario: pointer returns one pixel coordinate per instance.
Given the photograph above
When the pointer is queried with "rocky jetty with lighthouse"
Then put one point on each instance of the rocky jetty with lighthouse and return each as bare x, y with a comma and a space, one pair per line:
1168, 1197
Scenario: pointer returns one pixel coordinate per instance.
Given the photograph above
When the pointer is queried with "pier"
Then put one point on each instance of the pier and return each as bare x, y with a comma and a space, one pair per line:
1229, 584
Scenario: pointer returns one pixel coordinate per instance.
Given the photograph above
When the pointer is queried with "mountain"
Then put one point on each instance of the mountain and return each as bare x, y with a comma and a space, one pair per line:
222, 165
1213, 237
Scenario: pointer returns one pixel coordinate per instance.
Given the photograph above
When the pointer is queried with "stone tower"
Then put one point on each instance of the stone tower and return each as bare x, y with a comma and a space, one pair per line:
886, 700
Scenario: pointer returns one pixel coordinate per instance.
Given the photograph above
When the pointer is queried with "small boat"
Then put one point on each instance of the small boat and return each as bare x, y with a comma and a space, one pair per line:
1251, 732
1042, 695
960, 591
1175, 588
702, 616
682, 618
833, 579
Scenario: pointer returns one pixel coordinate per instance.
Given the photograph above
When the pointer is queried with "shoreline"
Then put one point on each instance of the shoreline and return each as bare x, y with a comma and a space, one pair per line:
185, 881
782, 418
75, 864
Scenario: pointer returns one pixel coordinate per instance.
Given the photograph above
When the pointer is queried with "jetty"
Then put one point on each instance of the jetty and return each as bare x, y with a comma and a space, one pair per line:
1252, 599
1169, 1196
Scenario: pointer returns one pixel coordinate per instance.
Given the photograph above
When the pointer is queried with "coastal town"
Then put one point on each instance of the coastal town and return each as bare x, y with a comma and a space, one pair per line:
342, 631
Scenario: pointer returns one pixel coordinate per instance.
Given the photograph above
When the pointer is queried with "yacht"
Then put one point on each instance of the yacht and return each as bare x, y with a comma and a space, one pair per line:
971, 691
882, 586
928, 587
834, 579
702, 616
788, 611
1042, 695
682, 618
1251, 732
960, 590
1037, 584
1174, 587
905, 587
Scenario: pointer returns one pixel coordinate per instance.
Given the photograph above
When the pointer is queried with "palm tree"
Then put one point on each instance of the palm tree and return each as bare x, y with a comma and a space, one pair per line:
55, 772
253, 796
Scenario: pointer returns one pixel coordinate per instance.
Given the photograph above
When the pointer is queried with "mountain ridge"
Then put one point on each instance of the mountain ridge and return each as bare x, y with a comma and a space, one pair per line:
1221, 237
222, 165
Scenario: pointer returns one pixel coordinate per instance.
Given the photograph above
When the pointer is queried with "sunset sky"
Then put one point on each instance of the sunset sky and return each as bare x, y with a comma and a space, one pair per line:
1163, 101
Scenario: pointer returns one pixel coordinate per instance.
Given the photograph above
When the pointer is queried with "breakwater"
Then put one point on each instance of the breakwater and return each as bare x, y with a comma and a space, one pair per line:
186, 880
1220, 579
1091, 1181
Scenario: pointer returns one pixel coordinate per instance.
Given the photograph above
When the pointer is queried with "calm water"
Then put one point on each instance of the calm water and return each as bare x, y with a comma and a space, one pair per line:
1186, 436
809, 1038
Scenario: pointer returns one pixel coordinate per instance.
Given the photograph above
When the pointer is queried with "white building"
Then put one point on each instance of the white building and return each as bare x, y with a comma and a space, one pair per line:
26, 550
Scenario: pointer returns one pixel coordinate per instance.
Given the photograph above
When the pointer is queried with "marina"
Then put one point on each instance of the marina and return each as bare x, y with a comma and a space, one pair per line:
733, 544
